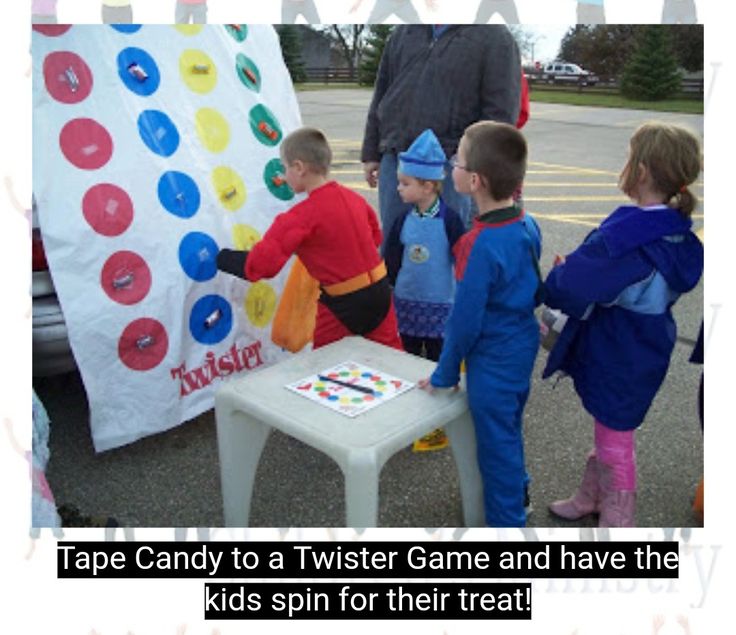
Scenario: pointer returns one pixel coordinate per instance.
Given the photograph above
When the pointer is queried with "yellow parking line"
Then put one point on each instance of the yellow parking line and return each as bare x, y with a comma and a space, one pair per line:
574, 199
575, 169
568, 172
564, 219
575, 219
578, 184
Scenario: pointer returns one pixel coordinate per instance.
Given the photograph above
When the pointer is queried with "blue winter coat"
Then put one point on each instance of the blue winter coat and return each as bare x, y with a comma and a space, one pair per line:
618, 289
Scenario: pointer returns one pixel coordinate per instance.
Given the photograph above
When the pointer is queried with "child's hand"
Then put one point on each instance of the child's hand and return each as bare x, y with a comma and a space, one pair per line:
425, 384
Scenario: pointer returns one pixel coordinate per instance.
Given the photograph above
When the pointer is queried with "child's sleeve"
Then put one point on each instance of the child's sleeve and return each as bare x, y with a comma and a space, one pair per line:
454, 227
393, 252
466, 320
282, 239
590, 276
375, 227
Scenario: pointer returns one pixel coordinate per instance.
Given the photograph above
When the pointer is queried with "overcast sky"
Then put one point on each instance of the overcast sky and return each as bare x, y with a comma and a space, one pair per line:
549, 38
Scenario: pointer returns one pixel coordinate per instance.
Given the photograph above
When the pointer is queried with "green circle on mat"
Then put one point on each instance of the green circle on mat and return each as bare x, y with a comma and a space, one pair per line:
344, 373
380, 383
238, 31
357, 400
273, 175
248, 72
264, 125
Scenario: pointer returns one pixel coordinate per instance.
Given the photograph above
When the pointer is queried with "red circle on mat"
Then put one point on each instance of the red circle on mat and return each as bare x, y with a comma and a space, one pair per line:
68, 78
143, 344
108, 209
126, 277
85, 143
52, 30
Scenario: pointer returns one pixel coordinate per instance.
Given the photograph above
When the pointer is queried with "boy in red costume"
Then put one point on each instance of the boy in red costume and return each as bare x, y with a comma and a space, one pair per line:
335, 234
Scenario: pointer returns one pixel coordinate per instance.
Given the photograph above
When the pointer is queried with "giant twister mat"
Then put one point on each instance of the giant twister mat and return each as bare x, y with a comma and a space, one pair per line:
153, 147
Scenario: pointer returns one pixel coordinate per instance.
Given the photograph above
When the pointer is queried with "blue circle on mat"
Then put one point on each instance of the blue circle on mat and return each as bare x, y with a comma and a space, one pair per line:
158, 132
132, 57
211, 319
179, 194
198, 256
332, 398
126, 28
368, 375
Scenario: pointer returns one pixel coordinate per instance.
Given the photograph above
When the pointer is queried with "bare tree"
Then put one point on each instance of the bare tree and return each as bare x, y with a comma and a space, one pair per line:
349, 40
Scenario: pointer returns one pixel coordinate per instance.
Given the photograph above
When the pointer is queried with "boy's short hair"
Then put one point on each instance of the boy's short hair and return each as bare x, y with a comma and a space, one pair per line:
310, 146
497, 152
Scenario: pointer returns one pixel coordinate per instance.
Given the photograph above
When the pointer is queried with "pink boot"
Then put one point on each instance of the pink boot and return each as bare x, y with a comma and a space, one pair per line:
617, 506
585, 500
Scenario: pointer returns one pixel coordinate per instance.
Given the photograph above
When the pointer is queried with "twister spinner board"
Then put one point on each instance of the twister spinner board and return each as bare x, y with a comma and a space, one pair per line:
350, 388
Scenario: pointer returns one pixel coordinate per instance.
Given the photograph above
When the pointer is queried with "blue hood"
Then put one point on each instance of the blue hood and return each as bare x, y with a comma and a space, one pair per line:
665, 239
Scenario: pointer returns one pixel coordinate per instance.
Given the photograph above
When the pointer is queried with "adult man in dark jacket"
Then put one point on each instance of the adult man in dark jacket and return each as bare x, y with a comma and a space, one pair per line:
440, 77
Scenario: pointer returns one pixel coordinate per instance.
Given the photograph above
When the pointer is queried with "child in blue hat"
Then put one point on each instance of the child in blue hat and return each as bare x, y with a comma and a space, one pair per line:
419, 256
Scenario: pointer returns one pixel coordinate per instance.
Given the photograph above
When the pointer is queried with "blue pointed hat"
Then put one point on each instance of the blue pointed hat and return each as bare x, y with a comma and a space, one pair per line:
425, 158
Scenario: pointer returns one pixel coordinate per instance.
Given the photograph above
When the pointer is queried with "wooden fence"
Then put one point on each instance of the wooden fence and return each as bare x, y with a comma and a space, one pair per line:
330, 75
691, 88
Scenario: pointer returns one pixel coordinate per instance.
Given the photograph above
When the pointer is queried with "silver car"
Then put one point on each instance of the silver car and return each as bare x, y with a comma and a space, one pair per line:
52, 354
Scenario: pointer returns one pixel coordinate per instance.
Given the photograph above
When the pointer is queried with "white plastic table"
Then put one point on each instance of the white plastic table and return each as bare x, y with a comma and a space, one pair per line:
246, 409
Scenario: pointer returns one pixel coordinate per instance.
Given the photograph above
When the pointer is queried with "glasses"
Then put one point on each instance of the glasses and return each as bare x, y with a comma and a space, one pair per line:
454, 162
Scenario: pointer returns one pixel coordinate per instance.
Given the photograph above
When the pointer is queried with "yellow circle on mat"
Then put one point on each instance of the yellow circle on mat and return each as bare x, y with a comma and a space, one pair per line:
213, 129
229, 188
344, 399
260, 303
245, 236
189, 29
197, 70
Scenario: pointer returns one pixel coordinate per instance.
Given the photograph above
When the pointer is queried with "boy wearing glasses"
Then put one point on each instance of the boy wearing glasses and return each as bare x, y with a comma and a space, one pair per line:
492, 325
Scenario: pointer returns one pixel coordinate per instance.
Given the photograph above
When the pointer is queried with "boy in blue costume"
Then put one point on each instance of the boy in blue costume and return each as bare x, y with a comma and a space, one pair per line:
419, 258
618, 289
492, 325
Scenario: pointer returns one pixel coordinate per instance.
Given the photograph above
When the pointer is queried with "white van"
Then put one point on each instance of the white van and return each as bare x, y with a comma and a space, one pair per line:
566, 73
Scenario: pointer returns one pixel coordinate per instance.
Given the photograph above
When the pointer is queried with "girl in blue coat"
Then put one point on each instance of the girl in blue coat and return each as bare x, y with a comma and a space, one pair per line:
618, 289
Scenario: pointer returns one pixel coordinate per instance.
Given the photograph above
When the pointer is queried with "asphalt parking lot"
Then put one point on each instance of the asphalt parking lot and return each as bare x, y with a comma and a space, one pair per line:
172, 479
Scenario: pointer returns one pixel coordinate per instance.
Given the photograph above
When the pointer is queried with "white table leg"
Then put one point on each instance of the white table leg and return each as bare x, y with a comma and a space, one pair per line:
361, 489
461, 433
240, 441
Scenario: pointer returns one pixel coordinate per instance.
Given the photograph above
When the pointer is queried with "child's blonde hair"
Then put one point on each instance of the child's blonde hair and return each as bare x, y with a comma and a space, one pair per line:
497, 152
310, 146
672, 157
437, 184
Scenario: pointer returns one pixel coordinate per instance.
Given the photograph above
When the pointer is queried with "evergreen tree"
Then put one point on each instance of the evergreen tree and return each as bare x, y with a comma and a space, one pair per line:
651, 72
378, 35
291, 49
